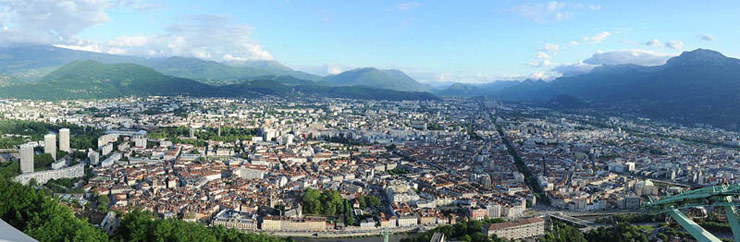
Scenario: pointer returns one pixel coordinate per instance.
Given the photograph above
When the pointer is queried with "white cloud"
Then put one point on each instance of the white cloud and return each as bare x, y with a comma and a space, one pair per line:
138, 5
619, 57
91, 48
573, 69
552, 11
541, 12
674, 44
337, 68
549, 51
654, 43
52, 22
129, 41
49, 21
543, 63
552, 49
542, 55
597, 38
706, 37
407, 6
210, 37
635, 56
574, 43
544, 75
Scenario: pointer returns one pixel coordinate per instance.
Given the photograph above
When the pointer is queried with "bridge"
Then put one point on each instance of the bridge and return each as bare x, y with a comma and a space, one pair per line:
722, 196
569, 220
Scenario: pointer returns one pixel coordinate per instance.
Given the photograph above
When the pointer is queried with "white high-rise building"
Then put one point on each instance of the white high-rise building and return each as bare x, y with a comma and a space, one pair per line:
50, 145
64, 140
26, 158
94, 156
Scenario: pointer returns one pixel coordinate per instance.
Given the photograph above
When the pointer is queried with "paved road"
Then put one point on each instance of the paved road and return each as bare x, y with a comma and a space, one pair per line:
349, 233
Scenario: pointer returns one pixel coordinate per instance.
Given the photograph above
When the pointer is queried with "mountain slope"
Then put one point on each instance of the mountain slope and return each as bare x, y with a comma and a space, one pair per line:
469, 89
30, 62
697, 86
202, 70
92, 79
371, 77
276, 68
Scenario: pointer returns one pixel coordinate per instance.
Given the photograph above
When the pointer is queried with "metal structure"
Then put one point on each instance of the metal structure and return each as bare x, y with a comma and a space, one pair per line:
385, 232
714, 196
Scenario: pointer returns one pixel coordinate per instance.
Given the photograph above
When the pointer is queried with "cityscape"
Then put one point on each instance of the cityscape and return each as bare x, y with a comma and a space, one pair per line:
189, 129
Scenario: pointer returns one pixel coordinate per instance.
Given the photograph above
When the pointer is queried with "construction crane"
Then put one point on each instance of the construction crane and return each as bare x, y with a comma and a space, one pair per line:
721, 196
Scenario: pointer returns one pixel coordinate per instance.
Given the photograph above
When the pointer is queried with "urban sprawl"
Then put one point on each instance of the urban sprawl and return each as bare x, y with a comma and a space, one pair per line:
335, 167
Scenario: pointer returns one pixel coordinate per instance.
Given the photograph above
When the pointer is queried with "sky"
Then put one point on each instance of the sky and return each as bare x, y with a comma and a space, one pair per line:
432, 41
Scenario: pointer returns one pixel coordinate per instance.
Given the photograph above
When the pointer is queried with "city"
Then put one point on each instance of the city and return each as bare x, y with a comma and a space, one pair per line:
366, 121
266, 165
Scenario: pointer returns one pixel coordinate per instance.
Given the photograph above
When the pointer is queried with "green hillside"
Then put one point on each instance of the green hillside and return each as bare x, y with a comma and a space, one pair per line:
371, 77
91, 79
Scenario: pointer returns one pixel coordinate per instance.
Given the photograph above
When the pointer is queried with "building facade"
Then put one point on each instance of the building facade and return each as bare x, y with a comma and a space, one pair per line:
64, 140
521, 229
26, 158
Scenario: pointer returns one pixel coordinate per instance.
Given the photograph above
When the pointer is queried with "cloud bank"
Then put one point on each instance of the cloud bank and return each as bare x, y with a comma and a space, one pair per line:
619, 57
50, 22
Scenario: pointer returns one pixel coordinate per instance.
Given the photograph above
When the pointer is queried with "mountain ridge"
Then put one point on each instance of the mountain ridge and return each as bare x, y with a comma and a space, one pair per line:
699, 86
91, 79
372, 77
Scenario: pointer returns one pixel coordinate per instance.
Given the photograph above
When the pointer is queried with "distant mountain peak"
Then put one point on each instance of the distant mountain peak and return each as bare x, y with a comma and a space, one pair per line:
373, 77
700, 56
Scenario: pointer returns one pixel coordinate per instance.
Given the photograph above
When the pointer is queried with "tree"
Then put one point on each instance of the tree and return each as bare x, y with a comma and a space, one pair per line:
42, 161
40, 217
348, 216
103, 202
311, 202
328, 203
144, 226
373, 201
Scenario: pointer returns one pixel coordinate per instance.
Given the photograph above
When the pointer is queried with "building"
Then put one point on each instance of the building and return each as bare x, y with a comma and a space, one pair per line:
64, 140
237, 220
250, 173
275, 223
477, 213
26, 158
105, 139
59, 164
494, 210
270, 223
304, 224
111, 159
368, 223
408, 220
110, 223
521, 229
93, 156
43, 176
140, 142
50, 145
106, 149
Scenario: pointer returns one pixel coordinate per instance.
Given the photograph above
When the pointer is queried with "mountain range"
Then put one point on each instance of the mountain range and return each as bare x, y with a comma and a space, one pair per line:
371, 77
92, 79
32, 71
699, 86
29, 63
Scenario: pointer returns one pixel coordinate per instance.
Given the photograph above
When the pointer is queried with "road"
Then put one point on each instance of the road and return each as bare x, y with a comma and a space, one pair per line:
350, 233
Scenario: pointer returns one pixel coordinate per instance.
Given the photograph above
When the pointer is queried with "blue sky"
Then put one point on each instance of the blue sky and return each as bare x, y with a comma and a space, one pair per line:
433, 41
